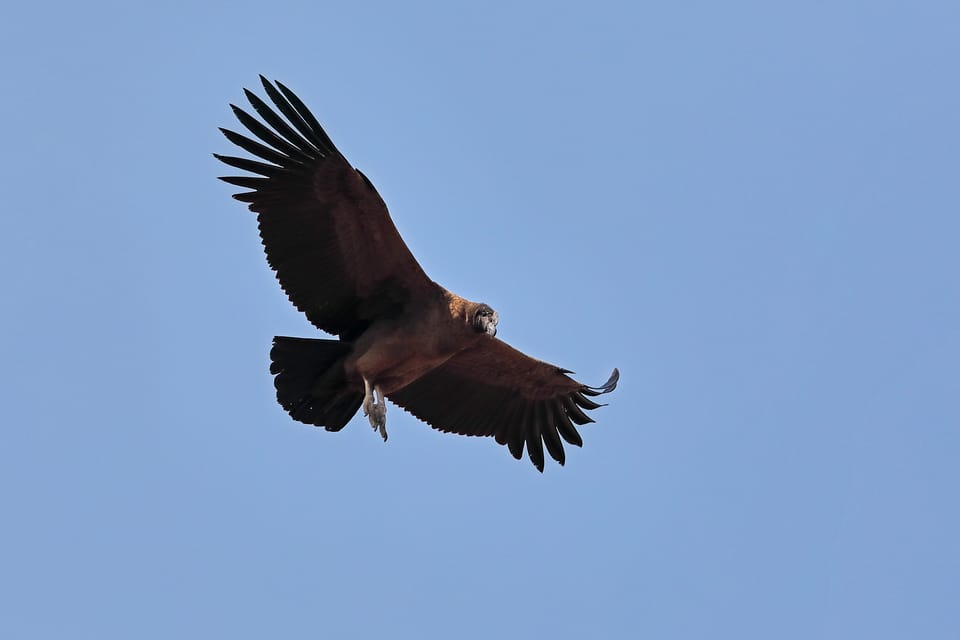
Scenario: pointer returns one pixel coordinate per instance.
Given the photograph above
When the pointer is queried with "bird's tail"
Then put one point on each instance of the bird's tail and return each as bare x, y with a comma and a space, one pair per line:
312, 383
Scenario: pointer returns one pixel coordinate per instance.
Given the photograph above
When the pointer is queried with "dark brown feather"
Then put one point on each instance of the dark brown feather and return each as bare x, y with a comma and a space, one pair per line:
494, 389
565, 419
325, 229
517, 434
262, 168
550, 436
534, 438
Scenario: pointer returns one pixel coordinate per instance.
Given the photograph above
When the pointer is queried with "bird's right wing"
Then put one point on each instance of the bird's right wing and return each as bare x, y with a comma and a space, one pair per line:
325, 229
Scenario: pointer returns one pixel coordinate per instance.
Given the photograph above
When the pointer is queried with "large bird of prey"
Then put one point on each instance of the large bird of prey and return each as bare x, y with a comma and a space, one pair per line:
402, 336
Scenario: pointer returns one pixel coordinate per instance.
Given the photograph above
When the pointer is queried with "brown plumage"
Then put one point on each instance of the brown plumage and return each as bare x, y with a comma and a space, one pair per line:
341, 261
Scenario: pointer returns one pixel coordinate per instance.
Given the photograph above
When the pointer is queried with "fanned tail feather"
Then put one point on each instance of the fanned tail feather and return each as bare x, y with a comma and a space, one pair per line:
311, 383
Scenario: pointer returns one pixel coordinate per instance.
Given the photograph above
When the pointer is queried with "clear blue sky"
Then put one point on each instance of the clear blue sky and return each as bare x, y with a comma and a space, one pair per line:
751, 208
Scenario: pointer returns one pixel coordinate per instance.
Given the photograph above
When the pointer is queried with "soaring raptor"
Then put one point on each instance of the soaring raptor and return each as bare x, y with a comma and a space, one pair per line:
402, 336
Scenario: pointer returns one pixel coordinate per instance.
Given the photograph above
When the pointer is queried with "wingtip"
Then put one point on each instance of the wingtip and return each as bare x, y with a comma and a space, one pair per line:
614, 379
610, 384
268, 85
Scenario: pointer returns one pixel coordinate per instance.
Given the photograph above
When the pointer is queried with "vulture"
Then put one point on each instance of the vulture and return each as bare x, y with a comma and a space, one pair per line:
400, 335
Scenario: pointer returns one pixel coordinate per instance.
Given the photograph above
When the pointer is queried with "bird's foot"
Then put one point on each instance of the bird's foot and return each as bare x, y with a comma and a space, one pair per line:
376, 412
377, 415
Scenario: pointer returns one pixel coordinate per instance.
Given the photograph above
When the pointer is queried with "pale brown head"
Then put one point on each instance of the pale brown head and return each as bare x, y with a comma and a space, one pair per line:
485, 320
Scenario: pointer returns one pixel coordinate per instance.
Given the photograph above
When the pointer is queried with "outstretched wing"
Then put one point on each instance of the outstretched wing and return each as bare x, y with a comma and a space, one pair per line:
324, 227
494, 390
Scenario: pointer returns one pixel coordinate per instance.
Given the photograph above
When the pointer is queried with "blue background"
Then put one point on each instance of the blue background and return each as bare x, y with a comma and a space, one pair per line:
751, 208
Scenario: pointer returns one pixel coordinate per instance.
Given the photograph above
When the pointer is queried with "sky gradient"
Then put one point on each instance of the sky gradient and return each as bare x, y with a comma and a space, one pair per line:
753, 210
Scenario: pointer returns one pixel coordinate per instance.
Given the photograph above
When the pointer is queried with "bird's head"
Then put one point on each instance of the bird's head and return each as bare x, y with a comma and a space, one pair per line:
485, 320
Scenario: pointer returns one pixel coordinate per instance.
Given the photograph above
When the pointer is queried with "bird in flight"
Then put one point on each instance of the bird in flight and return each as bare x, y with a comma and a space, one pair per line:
340, 260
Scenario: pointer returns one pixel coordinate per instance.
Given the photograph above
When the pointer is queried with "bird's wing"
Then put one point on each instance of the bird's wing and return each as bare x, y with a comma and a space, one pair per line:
492, 389
324, 227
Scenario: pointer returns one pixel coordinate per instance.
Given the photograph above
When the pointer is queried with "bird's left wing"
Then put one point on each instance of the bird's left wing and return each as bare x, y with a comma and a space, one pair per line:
492, 389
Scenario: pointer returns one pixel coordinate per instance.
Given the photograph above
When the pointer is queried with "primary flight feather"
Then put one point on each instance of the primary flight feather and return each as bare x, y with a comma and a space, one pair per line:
402, 336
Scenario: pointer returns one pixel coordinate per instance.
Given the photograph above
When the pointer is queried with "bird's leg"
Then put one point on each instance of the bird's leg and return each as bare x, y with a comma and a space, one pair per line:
382, 413
370, 407
375, 411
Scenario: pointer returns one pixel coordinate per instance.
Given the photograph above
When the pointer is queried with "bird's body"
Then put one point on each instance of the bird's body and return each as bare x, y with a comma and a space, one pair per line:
435, 333
337, 254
